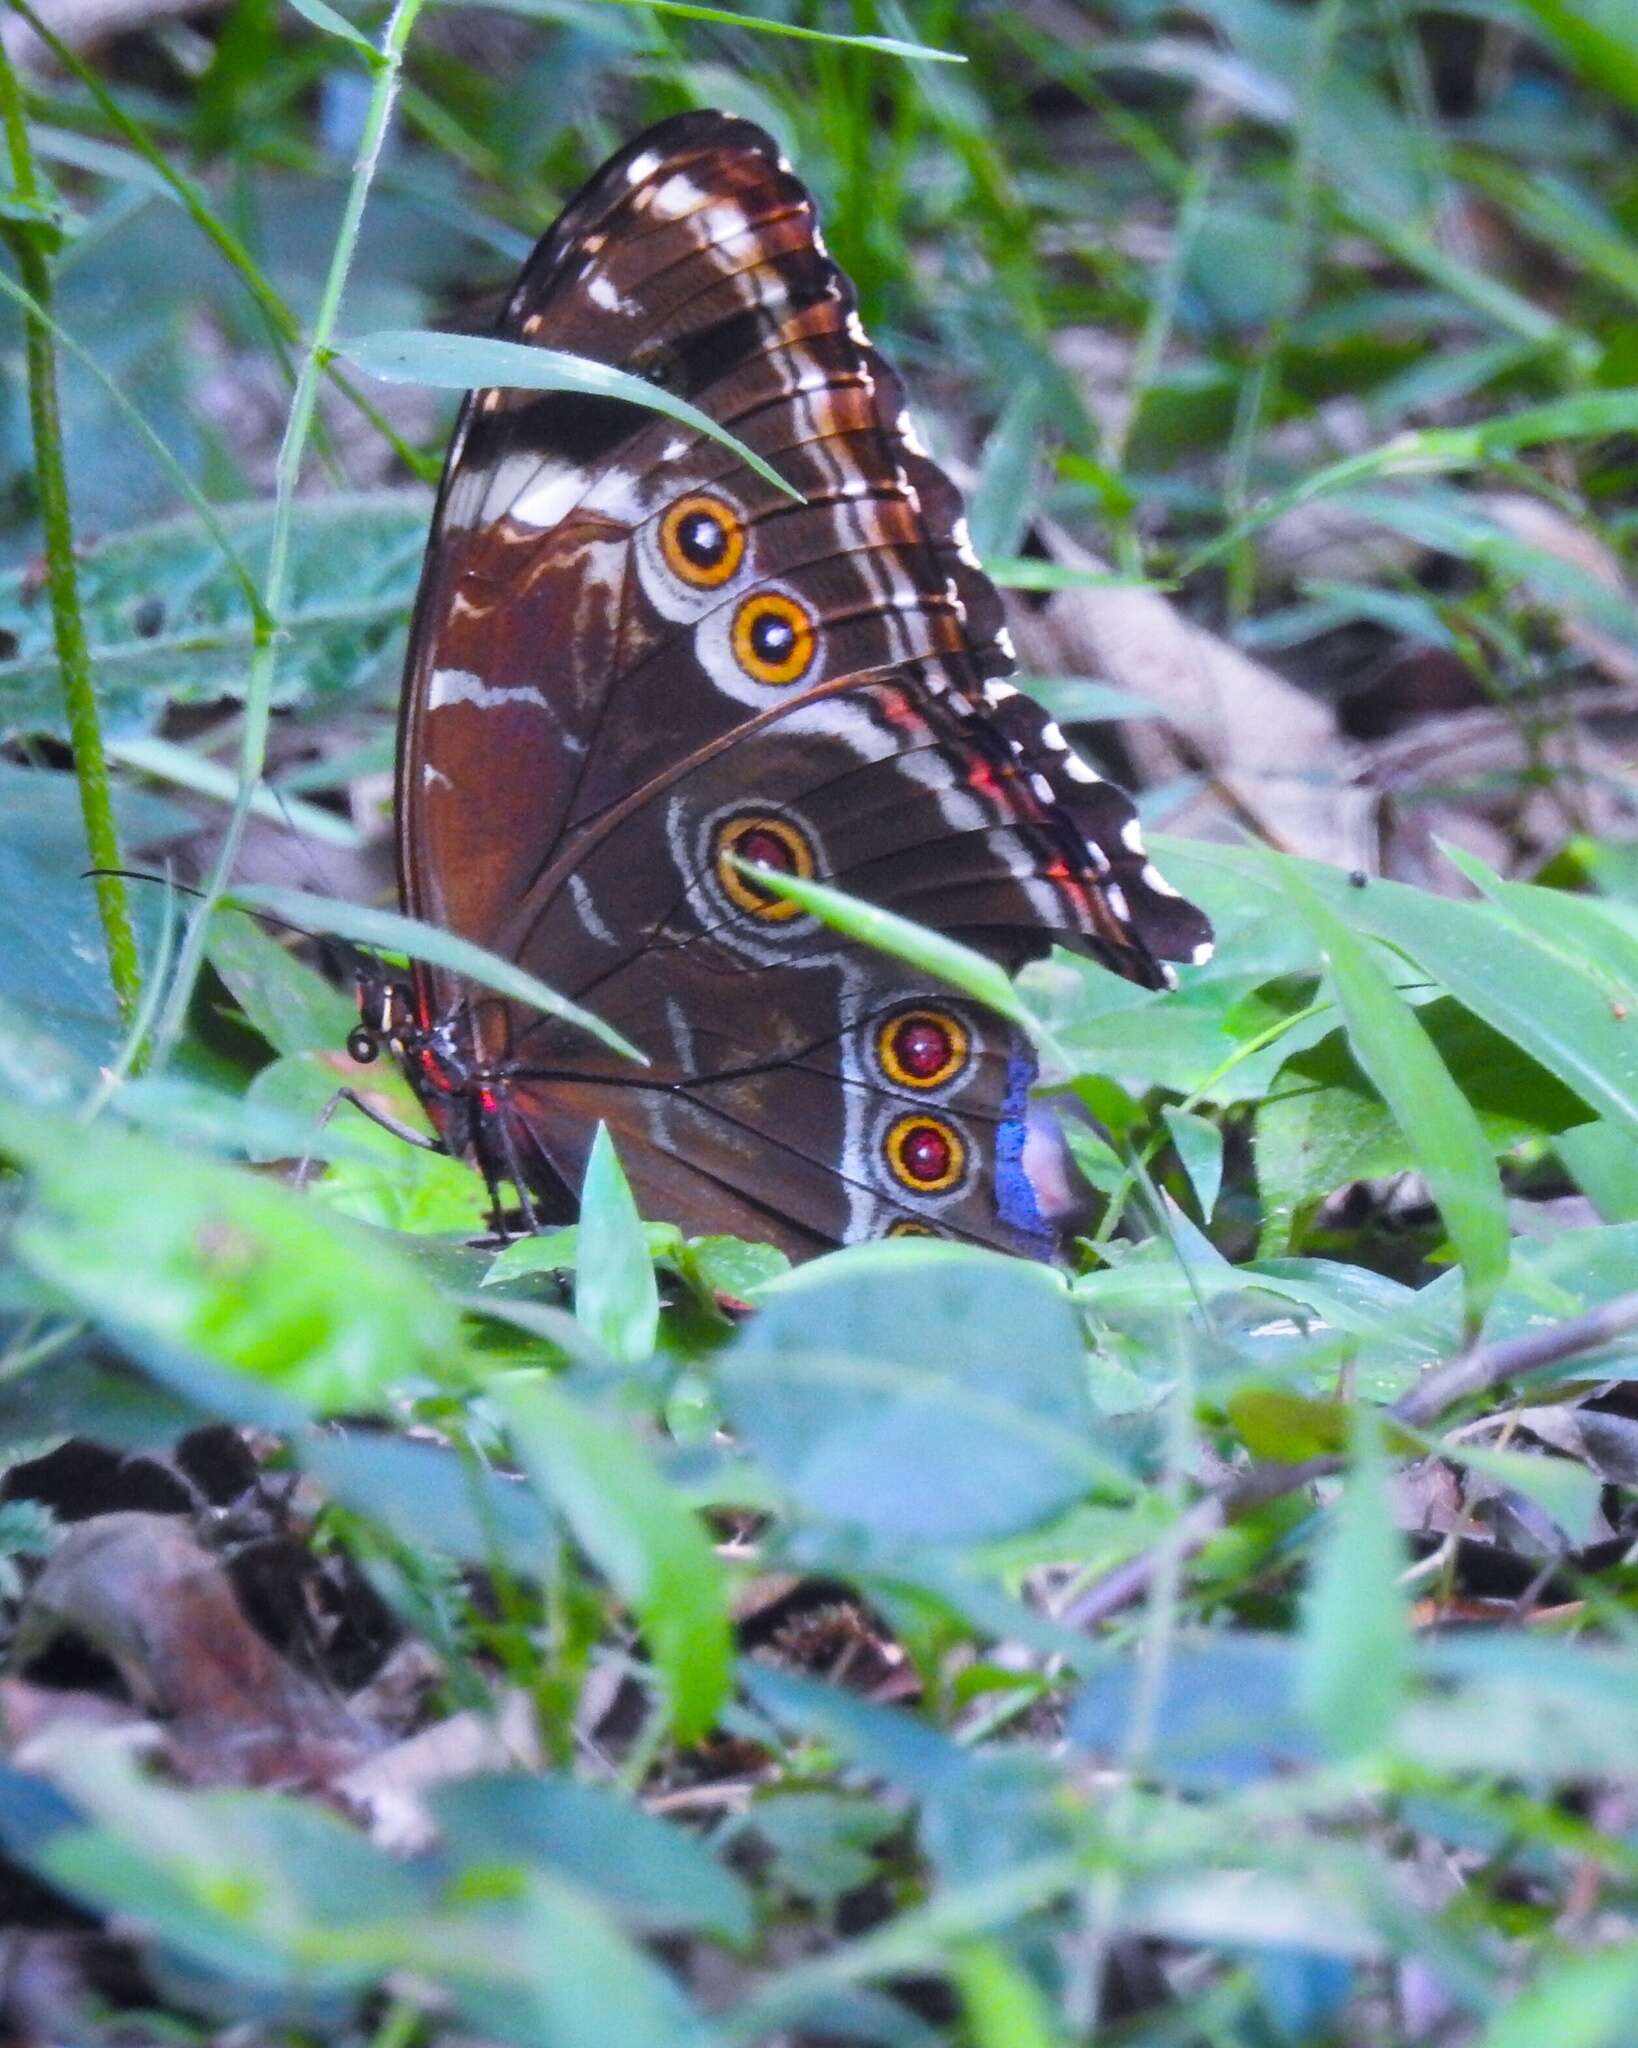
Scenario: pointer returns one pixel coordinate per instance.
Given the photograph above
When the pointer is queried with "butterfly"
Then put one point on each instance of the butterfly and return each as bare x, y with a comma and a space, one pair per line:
635, 664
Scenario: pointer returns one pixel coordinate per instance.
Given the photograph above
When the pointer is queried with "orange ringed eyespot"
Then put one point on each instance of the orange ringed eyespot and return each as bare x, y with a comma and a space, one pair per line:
903, 1226
926, 1154
771, 843
703, 540
922, 1048
773, 638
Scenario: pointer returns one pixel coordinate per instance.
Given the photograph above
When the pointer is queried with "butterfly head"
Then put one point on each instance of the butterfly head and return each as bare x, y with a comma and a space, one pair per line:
387, 1018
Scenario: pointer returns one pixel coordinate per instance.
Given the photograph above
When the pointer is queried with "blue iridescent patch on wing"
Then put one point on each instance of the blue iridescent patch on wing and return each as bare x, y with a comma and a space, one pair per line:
1015, 1197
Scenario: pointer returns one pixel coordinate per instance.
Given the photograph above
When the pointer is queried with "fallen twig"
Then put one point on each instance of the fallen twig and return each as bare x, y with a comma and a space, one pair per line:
1473, 1371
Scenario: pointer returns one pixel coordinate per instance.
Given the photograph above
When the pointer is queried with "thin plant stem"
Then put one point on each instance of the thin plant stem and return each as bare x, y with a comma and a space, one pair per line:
275, 584
282, 324
62, 575
184, 483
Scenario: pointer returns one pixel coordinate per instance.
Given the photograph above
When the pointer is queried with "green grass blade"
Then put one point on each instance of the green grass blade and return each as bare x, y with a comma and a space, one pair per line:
395, 934
616, 1297
467, 362
686, 10
650, 1547
1439, 1124
946, 959
1355, 1651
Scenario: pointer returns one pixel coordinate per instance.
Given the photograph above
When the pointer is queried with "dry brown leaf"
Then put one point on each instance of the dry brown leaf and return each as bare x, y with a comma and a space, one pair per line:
389, 1788
1273, 752
141, 1590
1555, 533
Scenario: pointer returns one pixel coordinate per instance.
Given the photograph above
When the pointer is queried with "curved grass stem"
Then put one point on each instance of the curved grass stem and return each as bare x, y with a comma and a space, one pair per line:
275, 584
28, 240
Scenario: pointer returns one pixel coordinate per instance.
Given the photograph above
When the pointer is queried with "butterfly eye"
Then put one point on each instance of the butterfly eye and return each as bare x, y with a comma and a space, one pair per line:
922, 1048
773, 638
925, 1153
772, 843
703, 541
362, 1045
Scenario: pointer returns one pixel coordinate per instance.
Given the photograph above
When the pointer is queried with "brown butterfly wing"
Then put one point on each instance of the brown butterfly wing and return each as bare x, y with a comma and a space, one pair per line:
629, 648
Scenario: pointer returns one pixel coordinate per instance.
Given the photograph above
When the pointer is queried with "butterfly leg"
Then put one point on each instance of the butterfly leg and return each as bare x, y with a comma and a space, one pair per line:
387, 1121
512, 1165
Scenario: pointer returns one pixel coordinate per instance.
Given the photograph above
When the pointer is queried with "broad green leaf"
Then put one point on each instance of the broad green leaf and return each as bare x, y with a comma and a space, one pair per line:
1437, 1121
946, 959
557, 1251
169, 624
923, 1391
1557, 1006
1576, 2001
320, 915
1287, 1428
467, 362
1003, 2005
616, 1298
824, 1844
264, 1889
374, 1174
1568, 1017
1226, 1713
1322, 1124
53, 959
651, 1875
1526, 1705
651, 1548
1603, 1162
1354, 1648
294, 1008
1589, 934
881, 1742
431, 1496
730, 1265
587, 1985
1600, 37
224, 1263
197, 1116
1199, 1145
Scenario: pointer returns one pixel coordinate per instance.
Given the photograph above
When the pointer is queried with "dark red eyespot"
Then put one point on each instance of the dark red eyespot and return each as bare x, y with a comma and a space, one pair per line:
765, 847
773, 843
925, 1153
922, 1048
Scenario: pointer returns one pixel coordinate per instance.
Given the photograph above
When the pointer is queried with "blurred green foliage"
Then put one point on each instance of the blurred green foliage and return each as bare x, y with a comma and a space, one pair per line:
1359, 255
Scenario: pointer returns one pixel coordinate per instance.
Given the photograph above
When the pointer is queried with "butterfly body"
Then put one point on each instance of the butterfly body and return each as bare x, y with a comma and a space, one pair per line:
637, 664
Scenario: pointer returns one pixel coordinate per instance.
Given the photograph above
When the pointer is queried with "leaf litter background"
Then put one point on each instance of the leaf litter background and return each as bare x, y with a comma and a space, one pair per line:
1230, 1641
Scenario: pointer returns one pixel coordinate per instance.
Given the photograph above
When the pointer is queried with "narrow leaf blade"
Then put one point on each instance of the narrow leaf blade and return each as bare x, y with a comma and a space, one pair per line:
648, 1545
395, 934
1401, 1063
467, 362
616, 1298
